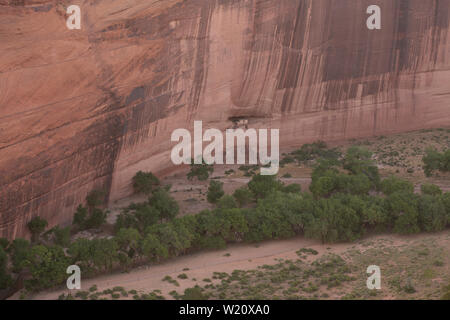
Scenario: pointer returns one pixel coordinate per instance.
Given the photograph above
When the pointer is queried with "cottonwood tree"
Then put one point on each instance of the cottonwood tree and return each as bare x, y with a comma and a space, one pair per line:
263, 185
36, 226
166, 205
145, 182
243, 196
215, 191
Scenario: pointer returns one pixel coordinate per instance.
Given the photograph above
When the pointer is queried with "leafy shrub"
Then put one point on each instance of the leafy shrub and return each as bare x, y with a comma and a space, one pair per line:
200, 171
194, 293
215, 191
243, 196
164, 203
393, 184
311, 152
145, 182
47, 267
403, 207
432, 213
5, 278
90, 217
62, 236
430, 189
263, 185
227, 202
20, 250
95, 198
138, 216
4, 243
292, 188
435, 161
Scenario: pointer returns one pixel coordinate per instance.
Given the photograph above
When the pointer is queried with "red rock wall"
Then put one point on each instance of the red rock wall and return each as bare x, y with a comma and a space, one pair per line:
85, 109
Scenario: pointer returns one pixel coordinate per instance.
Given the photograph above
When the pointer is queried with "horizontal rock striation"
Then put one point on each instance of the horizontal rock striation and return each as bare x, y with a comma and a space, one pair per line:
85, 109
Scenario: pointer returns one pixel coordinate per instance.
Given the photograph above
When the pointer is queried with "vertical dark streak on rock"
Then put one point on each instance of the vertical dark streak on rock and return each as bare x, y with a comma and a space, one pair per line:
202, 55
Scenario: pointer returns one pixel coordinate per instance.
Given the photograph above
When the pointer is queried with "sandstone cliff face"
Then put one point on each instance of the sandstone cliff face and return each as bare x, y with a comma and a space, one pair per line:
85, 109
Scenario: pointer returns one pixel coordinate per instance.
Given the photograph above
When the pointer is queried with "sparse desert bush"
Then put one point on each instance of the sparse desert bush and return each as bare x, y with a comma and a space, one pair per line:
200, 171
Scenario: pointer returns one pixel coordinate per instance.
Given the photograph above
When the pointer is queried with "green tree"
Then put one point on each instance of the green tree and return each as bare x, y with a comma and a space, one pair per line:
292, 188
227, 202
393, 184
62, 236
334, 221
96, 219
95, 198
147, 215
47, 267
36, 226
324, 186
166, 205
80, 216
215, 191
446, 201
272, 218
243, 196
5, 277
375, 216
169, 238
430, 189
324, 178
128, 240
357, 184
314, 151
104, 252
208, 230
263, 185
138, 216
432, 213
153, 249
145, 182
4, 243
127, 220
445, 162
402, 205
200, 171
234, 225
96, 255
81, 254
432, 161
184, 234
358, 160
20, 250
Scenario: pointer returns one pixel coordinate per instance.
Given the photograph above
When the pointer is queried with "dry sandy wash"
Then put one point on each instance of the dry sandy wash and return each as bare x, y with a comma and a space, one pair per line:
249, 256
